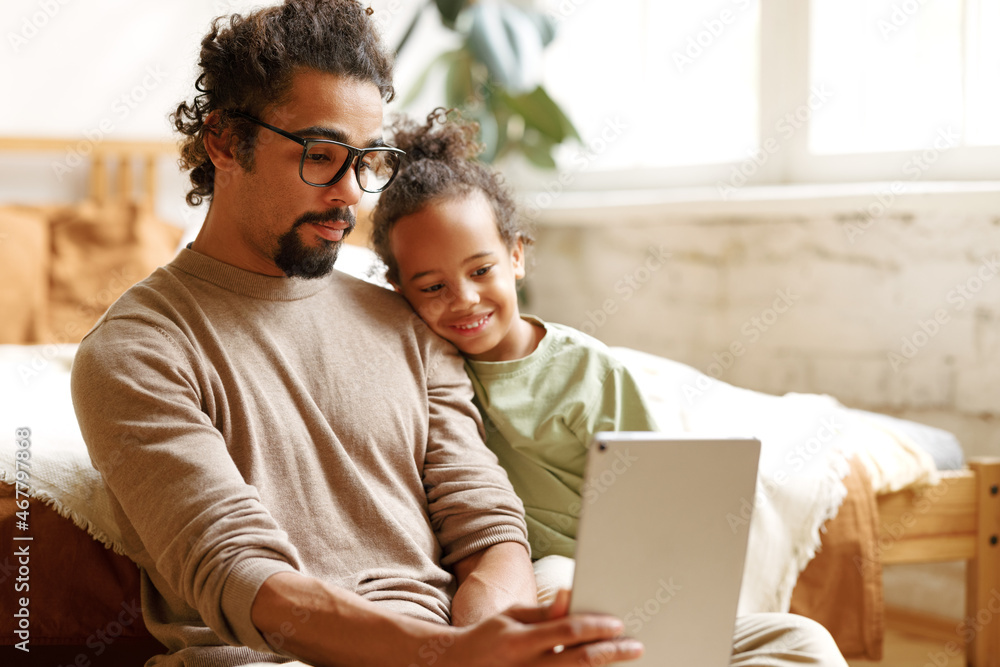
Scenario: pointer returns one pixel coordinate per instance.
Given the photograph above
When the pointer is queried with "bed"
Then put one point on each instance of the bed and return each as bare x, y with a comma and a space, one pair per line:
70, 262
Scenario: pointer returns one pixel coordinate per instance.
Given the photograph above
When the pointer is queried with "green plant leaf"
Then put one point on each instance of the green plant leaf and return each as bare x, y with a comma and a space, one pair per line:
508, 41
542, 113
538, 149
489, 133
459, 87
450, 9
442, 58
545, 24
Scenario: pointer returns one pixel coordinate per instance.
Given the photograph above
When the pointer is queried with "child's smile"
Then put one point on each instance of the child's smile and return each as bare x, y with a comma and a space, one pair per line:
460, 277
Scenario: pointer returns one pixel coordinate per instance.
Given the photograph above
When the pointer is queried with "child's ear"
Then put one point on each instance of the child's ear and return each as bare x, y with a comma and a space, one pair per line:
517, 258
399, 290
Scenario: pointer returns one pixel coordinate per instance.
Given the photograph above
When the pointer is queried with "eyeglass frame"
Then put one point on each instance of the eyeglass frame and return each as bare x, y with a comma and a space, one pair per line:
352, 155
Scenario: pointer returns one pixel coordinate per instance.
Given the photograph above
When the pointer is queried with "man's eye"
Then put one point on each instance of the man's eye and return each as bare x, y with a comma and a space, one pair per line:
317, 157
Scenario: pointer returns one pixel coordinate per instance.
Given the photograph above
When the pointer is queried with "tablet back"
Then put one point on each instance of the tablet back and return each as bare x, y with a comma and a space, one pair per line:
662, 541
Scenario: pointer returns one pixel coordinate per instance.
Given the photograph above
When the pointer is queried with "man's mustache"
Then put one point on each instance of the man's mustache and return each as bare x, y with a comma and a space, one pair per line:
332, 215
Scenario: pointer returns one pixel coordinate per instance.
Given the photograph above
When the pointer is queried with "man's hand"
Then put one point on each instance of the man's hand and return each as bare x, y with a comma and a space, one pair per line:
324, 625
491, 581
526, 636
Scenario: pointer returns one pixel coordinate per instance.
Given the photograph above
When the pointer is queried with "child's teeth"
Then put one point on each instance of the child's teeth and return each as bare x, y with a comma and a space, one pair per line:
473, 325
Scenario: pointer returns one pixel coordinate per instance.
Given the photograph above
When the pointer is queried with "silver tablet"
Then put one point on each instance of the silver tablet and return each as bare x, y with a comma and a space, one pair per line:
662, 541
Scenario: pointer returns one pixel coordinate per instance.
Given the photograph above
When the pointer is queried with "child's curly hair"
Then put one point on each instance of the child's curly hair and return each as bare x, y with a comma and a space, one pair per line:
441, 163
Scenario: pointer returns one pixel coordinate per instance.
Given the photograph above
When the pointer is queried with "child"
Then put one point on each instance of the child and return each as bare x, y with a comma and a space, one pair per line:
454, 246
452, 243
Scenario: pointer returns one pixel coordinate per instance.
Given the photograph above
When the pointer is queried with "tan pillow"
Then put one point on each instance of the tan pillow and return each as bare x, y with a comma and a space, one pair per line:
99, 251
24, 290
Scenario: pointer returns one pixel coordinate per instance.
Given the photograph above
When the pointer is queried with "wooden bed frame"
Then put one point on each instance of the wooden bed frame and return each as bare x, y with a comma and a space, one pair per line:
958, 519
101, 155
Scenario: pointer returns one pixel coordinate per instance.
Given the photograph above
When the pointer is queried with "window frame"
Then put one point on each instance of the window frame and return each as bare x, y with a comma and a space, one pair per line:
784, 64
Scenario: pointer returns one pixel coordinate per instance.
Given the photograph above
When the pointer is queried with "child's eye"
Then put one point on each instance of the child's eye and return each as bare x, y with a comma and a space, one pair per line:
483, 271
431, 289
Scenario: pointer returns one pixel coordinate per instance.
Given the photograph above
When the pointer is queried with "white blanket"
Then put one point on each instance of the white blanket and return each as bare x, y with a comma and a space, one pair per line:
34, 393
805, 442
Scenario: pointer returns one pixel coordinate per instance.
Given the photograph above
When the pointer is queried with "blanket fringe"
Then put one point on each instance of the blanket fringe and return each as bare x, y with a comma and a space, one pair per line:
837, 470
79, 521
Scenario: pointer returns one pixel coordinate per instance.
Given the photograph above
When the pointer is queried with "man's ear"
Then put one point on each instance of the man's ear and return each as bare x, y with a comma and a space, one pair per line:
219, 144
517, 258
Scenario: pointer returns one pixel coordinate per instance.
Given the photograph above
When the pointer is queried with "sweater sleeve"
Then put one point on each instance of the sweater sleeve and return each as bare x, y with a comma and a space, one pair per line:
139, 394
471, 502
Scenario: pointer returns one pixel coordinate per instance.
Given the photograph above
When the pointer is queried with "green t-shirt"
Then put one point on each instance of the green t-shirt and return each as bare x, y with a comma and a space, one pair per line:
541, 413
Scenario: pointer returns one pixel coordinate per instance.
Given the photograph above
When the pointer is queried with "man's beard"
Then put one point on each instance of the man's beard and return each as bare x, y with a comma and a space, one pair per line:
298, 260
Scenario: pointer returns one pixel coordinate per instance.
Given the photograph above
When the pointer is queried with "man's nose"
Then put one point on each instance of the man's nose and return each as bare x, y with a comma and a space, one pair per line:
347, 191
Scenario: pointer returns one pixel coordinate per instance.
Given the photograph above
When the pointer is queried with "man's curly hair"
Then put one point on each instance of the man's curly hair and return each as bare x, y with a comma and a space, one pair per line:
247, 64
441, 163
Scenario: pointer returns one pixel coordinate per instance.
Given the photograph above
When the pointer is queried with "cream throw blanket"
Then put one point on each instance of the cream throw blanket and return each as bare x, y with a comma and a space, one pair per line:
806, 439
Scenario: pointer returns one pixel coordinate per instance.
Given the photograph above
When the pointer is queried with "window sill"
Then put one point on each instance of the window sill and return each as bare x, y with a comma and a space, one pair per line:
849, 199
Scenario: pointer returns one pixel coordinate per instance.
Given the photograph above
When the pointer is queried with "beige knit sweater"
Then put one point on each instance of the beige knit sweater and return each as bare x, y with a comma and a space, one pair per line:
247, 425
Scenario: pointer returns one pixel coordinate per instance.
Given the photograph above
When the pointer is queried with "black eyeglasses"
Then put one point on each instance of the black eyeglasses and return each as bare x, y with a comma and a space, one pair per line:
324, 161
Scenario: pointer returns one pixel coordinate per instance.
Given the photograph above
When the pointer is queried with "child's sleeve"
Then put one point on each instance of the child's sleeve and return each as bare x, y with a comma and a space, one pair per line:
618, 406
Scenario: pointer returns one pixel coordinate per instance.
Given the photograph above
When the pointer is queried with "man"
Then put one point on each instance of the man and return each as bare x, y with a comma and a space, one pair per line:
293, 457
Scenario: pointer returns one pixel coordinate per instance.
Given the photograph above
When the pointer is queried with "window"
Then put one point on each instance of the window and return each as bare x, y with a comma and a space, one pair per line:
734, 92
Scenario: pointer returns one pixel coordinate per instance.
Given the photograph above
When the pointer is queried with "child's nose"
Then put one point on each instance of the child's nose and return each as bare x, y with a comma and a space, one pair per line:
465, 296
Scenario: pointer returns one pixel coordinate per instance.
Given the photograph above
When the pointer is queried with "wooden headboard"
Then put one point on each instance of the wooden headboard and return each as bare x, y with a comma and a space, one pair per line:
122, 154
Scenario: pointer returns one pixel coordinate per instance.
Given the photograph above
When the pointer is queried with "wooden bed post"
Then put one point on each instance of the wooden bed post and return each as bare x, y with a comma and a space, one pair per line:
982, 594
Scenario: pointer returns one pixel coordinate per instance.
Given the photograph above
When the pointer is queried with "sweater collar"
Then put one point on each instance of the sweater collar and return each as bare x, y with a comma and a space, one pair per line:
247, 283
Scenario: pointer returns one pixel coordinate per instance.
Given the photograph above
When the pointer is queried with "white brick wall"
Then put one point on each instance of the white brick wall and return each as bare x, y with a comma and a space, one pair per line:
853, 300
856, 297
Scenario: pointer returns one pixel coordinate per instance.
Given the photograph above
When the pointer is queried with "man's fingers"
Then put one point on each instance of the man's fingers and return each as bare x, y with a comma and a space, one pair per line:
560, 606
600, 653
529, 615
558, 609
571, 631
